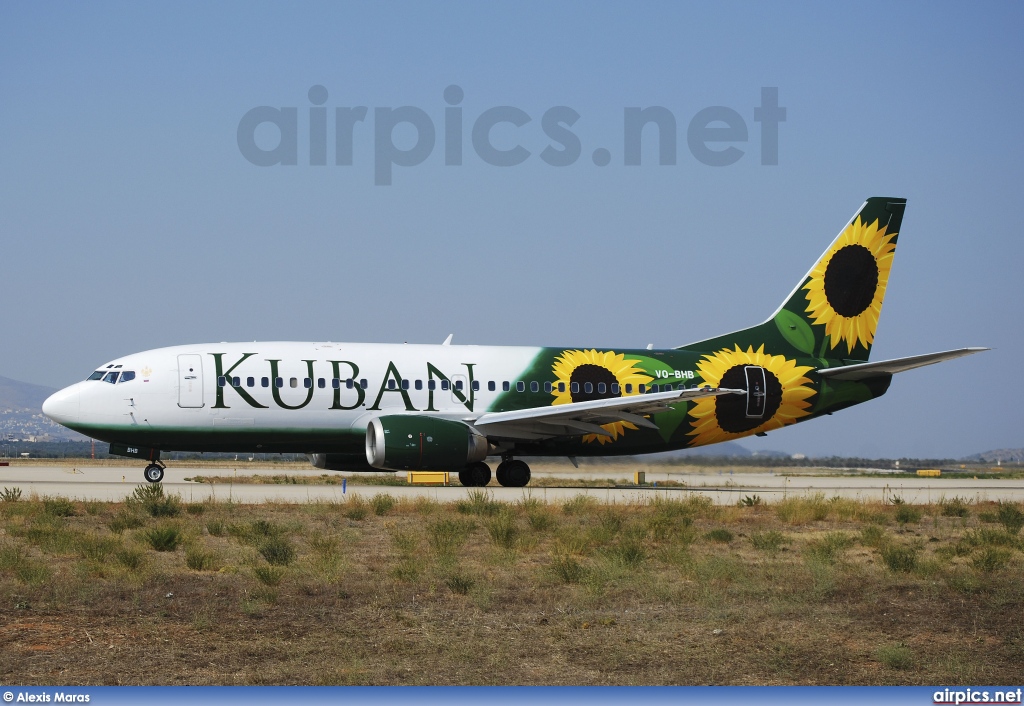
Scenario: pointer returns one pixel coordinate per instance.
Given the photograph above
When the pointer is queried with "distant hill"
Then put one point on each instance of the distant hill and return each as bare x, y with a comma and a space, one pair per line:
22, 395
998, 455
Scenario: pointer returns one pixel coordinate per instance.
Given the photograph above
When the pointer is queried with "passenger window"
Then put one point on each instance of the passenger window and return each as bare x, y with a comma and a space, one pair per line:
476, 386
222, 381
588, 388
419, 385
520, 386
615, 388
265, 382
458, 385
127, 375
574, 387
491, 386
505, 386
336, 383
391, 384
431, 384
601, 388
321, 383
547, 387
363, 383
278, 382
350, 383
534, 386
445, 385
642, 389
236, 381
629, 388
561, 387
98, 375
405, 384
250, 382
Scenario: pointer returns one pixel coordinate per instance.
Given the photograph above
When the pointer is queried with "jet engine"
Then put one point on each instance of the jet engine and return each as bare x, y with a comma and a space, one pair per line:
402, 442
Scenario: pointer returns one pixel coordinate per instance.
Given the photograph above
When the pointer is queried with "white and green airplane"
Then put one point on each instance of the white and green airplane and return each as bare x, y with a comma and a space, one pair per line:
373, 407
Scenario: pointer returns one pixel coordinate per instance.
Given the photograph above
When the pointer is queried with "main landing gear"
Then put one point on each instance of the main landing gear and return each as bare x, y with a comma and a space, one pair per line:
510, 473
154, 473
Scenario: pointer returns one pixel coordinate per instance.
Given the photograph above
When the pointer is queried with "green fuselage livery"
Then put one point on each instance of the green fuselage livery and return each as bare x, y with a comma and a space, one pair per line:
359, 406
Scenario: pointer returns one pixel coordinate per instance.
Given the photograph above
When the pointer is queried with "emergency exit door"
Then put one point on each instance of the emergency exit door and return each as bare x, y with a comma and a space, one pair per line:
756, 391
190, 380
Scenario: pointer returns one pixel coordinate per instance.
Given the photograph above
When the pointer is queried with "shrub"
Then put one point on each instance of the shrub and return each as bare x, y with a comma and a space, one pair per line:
10, 495
125, 519
906, 514
899, 557
629, 552
896, 656
268, 575
382, 504
163, 539
460, 583
540, 520
356, 509
801, 510
873, 536
568, 569
58, 507
830, 547
750, 500
503, 530
478, 502
954, 507
448, 535
770, 541
578, 504
96, 548
195, 508
198, 560
991, 559
129, 558
1010, 517
215, 528
719, 535
150, 497
277, 550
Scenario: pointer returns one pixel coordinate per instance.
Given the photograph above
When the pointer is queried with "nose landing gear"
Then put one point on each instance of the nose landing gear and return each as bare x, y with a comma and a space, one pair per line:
154, 472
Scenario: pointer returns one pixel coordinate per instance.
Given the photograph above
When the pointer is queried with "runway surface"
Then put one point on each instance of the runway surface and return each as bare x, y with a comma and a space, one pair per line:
118, 482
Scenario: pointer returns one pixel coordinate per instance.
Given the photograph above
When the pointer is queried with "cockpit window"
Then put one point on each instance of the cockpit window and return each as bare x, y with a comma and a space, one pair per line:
98, 375
111, 377
127, 375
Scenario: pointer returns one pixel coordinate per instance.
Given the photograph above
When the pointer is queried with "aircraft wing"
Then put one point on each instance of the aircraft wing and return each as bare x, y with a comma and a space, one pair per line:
579, 418
862, 371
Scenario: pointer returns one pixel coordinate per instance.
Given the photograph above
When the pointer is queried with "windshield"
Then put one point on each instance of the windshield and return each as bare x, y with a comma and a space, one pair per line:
98, 375
111, 377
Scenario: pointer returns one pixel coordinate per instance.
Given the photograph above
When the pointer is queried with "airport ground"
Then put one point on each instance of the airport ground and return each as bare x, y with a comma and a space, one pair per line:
679, 585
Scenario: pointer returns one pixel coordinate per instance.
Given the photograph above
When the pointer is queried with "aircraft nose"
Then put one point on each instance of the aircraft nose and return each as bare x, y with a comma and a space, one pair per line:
63, 406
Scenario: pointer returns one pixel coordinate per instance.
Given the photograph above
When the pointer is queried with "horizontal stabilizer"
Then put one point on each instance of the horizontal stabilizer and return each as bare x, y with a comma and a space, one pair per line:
862, 371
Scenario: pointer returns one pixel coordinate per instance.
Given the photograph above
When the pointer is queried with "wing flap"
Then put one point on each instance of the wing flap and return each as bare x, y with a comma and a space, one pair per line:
586, 417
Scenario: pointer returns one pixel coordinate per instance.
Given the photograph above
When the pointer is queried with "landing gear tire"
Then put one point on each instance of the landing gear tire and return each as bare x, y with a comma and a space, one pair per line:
154, 473
475, 475
513, 474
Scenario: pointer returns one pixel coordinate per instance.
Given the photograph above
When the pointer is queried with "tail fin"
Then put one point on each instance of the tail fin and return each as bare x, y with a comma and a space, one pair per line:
834, 310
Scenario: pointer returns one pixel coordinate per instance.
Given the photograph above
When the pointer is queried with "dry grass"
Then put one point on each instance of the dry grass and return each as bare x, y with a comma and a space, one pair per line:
806, 591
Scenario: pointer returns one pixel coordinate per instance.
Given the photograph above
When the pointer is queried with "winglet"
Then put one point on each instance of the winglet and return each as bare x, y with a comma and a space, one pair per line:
448, 341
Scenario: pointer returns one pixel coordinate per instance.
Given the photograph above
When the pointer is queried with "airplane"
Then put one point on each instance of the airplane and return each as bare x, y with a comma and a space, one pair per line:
395, 407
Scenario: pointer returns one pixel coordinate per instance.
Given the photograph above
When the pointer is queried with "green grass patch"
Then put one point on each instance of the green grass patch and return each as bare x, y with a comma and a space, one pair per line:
166, 538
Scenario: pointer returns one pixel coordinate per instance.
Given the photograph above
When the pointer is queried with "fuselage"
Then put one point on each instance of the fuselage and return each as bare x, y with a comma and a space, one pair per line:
291, 397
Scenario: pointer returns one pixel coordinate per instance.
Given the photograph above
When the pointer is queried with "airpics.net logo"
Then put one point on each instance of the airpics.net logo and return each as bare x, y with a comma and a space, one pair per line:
716, 136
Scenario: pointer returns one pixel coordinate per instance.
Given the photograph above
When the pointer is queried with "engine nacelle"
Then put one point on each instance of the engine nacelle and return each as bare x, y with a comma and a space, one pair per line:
404, 442
342, 462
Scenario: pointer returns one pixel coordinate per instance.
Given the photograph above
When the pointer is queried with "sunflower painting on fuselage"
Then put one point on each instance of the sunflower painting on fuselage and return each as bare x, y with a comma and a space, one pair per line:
725, 418
593, 375
847, 285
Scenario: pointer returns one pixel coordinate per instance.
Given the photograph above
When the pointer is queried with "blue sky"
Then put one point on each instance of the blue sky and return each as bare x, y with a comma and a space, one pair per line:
129, 218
